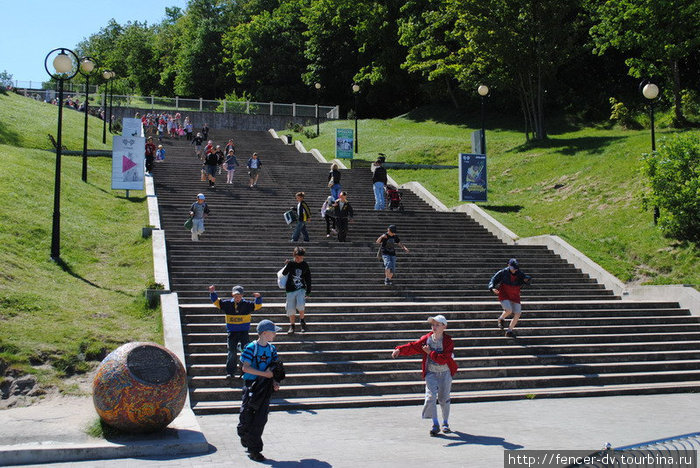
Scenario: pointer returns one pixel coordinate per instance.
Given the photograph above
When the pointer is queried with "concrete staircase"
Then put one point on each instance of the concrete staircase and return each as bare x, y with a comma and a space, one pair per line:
576, 337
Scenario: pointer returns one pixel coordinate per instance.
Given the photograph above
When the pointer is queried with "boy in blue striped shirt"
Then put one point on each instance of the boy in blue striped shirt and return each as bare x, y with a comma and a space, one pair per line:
258, 359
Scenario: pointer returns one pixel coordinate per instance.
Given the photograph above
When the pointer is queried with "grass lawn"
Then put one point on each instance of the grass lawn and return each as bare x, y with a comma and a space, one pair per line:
583, 184
55, 317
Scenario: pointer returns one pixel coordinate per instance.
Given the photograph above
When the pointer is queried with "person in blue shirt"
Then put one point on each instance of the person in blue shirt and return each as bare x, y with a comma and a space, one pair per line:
259, 359
254, 165
238, 312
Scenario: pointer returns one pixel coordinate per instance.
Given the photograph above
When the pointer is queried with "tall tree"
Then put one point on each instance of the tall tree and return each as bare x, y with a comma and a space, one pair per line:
426, 29
265, 55
515, 44
199, 60
659, 37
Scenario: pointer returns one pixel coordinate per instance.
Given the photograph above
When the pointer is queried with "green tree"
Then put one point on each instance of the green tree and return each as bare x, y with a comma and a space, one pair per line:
356, 41
674, 179
426, 29
198, 66
515, 45
5, 79
659, 37
265, 55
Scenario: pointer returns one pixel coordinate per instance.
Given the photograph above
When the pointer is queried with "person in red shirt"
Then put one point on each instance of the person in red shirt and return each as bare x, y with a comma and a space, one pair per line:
506, 284
438, 369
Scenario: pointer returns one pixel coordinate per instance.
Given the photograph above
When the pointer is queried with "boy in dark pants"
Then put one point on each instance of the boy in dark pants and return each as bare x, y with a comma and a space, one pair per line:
237, 312
298, 287
258, 358
506, 284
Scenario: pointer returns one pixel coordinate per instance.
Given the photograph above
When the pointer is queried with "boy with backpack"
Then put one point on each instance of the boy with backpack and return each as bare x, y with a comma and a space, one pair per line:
262, 375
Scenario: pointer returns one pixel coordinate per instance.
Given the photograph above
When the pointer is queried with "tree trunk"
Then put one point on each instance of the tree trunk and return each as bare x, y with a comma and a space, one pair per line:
451, 92
677, 101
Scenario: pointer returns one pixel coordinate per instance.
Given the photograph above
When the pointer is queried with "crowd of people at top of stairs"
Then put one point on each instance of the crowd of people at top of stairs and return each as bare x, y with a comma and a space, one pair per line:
165, 124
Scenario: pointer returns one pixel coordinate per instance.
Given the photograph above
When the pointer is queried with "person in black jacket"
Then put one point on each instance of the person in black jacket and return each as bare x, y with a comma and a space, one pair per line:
298, 287
379, 180
303, 216
343, 213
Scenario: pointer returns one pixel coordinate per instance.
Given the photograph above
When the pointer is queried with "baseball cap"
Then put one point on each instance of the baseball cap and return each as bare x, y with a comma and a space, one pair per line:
201, 196
238, 289
514, 263
392, 228
439, 319
267, 325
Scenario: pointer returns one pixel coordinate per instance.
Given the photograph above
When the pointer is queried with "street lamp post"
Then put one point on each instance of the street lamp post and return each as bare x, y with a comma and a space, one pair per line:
111, 96
65, 66
87, 65
318, 90
651, 91
107, 75
356, 91
483, 91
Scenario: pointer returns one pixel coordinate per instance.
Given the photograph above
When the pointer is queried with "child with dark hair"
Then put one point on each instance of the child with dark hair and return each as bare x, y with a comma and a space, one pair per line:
298, 287
506, 284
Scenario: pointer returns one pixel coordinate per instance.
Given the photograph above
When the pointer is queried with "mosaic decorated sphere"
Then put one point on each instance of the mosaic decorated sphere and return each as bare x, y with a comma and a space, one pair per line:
139, 387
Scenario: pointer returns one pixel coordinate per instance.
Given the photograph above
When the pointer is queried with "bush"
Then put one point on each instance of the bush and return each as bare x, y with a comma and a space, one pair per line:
690, 102
674, 179
620, 113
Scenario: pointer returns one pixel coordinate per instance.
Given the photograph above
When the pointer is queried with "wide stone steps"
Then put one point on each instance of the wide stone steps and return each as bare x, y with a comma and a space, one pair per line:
575, 338
361, 401
459, 384
468, 363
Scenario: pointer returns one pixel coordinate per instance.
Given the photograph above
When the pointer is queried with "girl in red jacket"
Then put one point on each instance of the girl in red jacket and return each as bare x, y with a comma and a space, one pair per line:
438, 368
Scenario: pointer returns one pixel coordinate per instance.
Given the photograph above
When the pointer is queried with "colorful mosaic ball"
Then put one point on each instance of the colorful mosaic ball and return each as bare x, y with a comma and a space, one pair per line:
140, 387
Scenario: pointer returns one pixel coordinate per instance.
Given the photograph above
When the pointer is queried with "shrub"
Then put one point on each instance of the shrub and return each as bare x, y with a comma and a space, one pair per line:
620, 113
674, 182
690, 102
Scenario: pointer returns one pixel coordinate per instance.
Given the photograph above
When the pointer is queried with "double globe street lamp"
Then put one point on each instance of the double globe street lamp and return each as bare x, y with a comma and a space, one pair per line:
87, 66
65, 66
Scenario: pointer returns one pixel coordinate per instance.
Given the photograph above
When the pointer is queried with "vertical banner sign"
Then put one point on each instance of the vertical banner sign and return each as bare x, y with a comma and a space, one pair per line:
472, 177
344, 140
128, 155
132, 128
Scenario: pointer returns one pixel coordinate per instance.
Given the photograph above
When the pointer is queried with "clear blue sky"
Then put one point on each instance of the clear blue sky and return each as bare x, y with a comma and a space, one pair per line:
29, 29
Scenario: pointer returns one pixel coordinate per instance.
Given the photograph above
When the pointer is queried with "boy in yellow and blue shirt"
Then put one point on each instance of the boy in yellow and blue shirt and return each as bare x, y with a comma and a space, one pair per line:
238, 314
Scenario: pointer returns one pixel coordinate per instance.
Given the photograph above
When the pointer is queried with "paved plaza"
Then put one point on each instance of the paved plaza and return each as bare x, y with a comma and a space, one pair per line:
397, 437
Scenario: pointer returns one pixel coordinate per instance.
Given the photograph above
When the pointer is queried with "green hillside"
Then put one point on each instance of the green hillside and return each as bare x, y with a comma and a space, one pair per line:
583, 184
54, 318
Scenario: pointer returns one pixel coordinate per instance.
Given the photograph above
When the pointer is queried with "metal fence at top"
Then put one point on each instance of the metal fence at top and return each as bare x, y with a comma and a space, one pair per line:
45, 90
32, 87
231, 107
